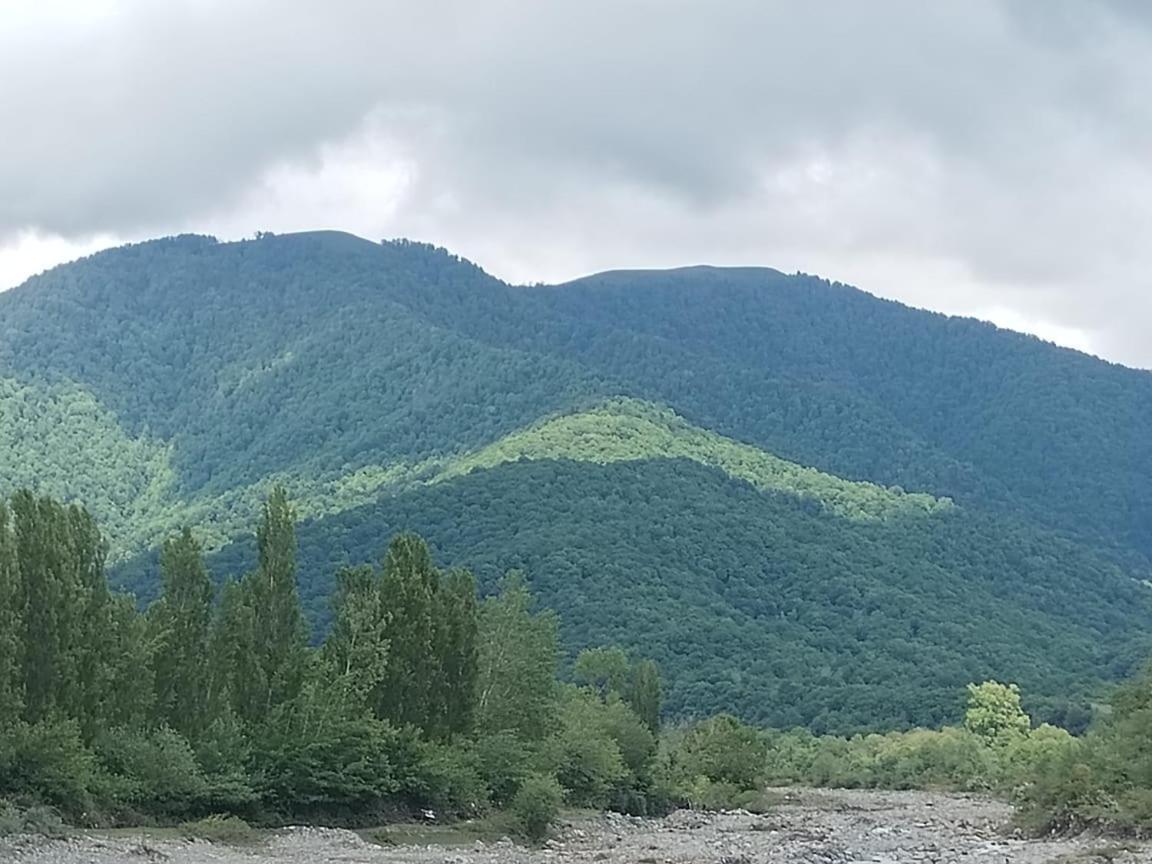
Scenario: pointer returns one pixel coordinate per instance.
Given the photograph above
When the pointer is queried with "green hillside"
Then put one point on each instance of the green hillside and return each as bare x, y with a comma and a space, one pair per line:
939, 464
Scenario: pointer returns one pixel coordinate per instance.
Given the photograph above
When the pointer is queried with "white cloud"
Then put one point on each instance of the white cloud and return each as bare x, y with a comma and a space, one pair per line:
30, 252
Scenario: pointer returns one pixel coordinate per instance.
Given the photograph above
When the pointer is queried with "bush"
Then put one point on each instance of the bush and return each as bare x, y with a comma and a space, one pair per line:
47, 762
40, 820
351, 768
450, 780
724, 750
536, 806
504, 762
156, 771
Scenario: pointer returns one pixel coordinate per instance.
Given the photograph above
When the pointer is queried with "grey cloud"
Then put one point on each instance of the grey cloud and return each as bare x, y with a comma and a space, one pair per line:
1005, 139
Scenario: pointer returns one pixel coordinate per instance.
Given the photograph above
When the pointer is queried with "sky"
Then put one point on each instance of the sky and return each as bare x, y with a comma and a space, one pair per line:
979, 157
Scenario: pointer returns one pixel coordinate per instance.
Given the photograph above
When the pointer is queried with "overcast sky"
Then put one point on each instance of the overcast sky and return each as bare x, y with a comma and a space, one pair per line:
973, 156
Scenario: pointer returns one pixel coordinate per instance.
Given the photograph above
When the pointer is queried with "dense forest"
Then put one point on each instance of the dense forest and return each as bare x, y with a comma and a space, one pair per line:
798, 490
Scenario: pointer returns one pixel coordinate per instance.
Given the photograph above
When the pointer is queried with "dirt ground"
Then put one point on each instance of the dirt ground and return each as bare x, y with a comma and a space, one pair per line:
808, 827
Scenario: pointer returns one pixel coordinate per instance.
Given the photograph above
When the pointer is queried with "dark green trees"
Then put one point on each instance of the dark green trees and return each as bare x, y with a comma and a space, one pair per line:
457, 631
259, 643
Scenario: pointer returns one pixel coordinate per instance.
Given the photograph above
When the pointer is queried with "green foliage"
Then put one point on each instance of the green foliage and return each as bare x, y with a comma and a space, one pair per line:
724, 750
283, 730
627, 430
588, 762
604, 669
1101, 781
994, 712
536, 806
11, 628
48, 762
155, 771
518, 656
452, 779
279, 634
645, 694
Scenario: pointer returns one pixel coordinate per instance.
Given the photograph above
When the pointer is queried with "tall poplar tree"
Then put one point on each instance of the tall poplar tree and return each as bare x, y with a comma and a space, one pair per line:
11, 643
518, 653
408, 591
64, 627
645, 694
356, 650
456, 649
236, 683
181, 620
279, 632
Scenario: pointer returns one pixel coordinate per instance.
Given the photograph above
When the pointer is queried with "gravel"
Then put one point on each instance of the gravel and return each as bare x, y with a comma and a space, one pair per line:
808, 827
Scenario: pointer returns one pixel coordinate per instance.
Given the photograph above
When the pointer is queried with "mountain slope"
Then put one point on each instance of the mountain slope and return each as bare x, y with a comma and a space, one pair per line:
174, 381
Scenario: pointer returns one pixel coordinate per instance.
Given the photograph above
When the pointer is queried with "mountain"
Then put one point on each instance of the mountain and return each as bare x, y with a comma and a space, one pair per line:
811, 505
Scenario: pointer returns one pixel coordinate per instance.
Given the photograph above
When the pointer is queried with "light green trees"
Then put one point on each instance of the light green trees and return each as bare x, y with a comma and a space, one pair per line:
519, 651
608, 671
994, 713
356, 650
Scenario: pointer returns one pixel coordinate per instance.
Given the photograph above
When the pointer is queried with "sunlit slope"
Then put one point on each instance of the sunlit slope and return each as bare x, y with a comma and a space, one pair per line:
627, 430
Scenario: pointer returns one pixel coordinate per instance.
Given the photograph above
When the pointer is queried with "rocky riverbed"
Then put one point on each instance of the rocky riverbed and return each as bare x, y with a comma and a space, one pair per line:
808, 827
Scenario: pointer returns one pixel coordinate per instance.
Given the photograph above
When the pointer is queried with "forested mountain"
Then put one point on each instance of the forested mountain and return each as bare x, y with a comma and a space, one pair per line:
810, 505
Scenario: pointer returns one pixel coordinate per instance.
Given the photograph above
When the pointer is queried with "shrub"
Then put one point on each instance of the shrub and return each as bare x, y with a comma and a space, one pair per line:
504, 762
450, 780
724, 750
40, 820
154, 770
47, 762
536, 806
